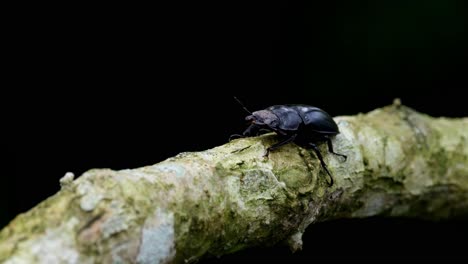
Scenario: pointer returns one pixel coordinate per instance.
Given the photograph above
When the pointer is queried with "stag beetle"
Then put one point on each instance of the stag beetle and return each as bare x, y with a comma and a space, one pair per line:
303, 124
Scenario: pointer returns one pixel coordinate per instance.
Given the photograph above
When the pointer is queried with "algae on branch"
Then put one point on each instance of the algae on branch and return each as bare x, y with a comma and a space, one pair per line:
218, 201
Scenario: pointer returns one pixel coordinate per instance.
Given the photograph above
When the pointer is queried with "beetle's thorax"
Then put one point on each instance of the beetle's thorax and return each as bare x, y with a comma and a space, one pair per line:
263, 117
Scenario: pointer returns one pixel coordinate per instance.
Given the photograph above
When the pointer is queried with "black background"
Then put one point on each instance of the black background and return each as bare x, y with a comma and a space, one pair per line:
122, 87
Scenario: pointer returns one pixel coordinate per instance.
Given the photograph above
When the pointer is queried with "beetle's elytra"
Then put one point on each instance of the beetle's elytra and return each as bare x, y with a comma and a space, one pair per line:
303, 124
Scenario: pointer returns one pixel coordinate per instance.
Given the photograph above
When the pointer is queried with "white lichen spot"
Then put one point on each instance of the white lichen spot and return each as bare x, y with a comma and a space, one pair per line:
207, 155
56, 245
67, 180
282, 184
90, 196
394, 155
345, 143
418, 178
124, 252
84, 187
341, 123
138, 174
116, 259
90, 201
451, 139
373, 145
232, 188
157, 238
114, 225
176, 169
295, 241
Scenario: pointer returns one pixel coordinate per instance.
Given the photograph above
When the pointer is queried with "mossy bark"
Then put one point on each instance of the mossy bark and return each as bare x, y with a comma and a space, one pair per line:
218, 201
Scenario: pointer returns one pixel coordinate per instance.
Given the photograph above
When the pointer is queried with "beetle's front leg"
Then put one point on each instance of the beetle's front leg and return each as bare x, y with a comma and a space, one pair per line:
251, 130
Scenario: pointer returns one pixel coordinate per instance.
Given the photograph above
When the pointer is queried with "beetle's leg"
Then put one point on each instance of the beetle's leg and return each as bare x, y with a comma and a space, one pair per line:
319, 155
262, 131
330, 149
252, 129
234, 136
279, 144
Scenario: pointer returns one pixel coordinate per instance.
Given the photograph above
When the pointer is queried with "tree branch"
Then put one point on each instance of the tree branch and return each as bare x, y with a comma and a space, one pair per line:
218, 201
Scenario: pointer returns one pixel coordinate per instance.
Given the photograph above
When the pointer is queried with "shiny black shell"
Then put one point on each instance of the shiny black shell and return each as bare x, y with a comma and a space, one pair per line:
292, 117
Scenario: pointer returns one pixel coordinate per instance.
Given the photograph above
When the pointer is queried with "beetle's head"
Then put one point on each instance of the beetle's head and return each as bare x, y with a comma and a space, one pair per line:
263, 118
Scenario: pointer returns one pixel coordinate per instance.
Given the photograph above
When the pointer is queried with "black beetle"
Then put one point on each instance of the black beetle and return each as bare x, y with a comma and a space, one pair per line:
303, 124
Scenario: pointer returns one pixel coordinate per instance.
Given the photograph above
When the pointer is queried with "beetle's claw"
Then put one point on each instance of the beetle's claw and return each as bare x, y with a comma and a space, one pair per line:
341, 155
344, 157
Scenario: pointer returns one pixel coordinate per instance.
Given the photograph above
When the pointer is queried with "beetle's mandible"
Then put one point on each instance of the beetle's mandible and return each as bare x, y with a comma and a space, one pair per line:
303, 124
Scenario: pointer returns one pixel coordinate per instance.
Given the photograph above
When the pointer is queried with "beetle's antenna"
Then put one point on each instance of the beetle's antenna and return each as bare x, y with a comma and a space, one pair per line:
243, 106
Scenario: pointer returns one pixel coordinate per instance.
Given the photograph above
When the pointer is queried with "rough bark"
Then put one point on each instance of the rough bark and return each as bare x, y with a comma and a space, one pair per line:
218, 201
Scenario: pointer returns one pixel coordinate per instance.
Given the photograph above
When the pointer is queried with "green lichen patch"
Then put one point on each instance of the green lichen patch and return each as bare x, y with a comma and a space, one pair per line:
34, 223
218, 201
295, 168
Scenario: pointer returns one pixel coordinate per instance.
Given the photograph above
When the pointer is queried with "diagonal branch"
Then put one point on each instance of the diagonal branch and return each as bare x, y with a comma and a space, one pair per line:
218, 201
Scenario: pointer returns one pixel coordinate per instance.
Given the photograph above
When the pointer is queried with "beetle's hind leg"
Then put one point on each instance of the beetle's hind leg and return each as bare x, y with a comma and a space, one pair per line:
330, 149
324, 166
